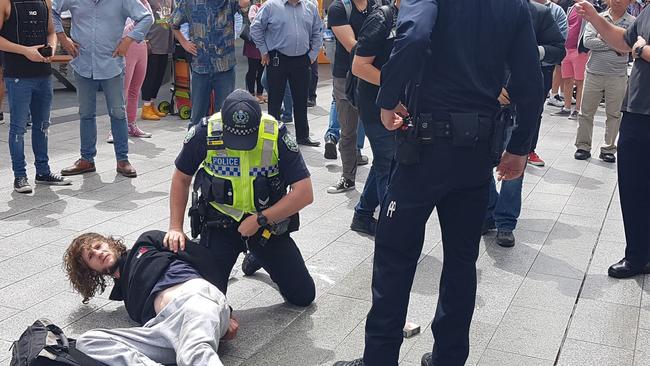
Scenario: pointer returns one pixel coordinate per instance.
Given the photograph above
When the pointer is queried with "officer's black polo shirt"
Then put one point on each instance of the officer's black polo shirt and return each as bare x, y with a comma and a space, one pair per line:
471, 42
292, 166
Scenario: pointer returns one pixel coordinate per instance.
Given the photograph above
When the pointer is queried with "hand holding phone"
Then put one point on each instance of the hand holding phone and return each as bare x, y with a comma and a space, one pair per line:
33, 53
45, 51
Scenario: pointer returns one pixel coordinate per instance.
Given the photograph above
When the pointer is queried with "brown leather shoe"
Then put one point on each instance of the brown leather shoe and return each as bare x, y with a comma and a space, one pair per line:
79, 167
126, 169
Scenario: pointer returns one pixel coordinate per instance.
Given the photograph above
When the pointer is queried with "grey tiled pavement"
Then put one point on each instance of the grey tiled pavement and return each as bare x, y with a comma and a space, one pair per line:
546, 301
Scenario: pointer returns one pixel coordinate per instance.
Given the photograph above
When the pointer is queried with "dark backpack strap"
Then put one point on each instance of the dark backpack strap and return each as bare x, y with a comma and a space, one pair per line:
62, 340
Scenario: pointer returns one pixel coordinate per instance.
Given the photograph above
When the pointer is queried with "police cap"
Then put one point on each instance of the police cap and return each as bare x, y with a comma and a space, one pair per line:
241, 115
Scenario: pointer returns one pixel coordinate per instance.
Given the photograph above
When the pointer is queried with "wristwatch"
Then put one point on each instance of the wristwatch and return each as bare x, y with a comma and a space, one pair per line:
638, 52
262, 220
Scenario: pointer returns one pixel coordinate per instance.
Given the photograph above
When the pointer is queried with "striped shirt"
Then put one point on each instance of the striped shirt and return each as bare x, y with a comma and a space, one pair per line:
604, 60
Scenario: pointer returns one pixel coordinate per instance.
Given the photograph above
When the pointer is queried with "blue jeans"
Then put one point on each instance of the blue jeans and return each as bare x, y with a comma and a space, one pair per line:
87, 94
334, 129
221, 83
287, 102
29, 96
382, 144
504, 207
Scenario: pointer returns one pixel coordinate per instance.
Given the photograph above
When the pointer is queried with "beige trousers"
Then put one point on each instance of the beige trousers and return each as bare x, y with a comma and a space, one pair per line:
595, 86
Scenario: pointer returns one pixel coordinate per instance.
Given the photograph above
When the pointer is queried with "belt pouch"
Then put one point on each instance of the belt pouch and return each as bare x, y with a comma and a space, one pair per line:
262, 193
465, 129
425, 128
406, 152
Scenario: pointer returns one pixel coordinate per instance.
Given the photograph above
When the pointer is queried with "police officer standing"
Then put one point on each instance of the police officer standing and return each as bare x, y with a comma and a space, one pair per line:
449, 145
247, 161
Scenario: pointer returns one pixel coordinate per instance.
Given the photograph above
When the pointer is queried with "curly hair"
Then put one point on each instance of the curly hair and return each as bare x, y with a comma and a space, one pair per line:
82, 278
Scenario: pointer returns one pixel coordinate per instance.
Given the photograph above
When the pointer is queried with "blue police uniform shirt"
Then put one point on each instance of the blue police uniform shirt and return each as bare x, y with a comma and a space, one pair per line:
291, 164
465, 71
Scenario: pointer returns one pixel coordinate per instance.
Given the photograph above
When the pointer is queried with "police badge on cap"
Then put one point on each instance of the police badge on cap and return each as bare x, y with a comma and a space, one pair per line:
241, 114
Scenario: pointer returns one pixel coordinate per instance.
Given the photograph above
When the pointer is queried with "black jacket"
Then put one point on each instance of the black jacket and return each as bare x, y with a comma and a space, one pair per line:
547, 33
143, 266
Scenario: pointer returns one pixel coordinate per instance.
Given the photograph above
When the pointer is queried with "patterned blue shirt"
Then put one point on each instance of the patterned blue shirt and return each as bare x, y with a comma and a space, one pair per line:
97, 27
212, 29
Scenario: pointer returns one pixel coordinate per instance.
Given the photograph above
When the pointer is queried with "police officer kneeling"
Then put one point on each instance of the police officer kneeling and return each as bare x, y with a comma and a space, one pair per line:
240, 203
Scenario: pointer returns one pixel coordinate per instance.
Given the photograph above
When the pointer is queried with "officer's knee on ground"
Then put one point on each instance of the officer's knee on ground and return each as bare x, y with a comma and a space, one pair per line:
302, 295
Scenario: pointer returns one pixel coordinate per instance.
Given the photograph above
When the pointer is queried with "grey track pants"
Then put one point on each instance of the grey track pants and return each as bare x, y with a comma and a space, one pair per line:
185, 332
348, 120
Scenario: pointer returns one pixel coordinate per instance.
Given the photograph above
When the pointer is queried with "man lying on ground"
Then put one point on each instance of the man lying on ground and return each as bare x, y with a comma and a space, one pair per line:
175, 296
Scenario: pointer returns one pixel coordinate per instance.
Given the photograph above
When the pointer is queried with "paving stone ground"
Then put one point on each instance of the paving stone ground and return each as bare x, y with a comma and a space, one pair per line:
547, 301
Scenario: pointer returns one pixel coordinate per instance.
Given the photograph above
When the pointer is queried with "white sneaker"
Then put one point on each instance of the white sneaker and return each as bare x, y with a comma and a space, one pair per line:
109, 139
555, 101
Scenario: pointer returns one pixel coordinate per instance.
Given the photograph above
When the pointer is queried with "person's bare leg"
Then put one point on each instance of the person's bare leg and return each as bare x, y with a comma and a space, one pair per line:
557, 80
567, 86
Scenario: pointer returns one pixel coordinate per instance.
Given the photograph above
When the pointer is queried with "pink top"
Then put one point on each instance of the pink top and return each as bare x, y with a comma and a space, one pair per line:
575, 23
252, 12
129, 25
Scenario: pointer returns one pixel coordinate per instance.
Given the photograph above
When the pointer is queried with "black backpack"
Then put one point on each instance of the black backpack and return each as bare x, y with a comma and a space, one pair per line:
44, 344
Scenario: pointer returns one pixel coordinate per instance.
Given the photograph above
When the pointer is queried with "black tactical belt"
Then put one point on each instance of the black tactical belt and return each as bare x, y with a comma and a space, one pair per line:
444, 129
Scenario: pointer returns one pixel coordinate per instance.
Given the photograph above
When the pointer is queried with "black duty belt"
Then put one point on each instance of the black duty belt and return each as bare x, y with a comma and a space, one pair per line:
443, 129
217, 220
443, 125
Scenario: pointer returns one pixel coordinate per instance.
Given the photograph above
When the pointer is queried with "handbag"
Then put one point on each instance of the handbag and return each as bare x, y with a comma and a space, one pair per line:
246, 32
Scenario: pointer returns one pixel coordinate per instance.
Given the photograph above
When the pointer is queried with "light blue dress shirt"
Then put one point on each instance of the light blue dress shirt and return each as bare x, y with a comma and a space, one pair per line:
288, 29
560, 18
97, 27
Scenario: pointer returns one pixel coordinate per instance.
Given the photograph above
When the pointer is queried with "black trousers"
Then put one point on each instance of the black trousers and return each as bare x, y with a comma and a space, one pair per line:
547, 73
254, 76
313, 80
634, 185
156, 67
460, 197
296, 70
280, 257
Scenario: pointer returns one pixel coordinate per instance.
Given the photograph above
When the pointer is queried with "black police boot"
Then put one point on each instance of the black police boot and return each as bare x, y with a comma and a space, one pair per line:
357, 362
365, 225
625, 269
505, 239
250, 264
426, 359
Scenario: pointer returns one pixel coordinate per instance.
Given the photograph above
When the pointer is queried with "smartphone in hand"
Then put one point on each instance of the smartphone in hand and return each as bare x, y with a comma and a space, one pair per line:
45, 51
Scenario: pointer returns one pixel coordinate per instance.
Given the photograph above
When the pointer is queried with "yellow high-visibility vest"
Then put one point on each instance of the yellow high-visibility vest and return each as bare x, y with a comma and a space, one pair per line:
242, 167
